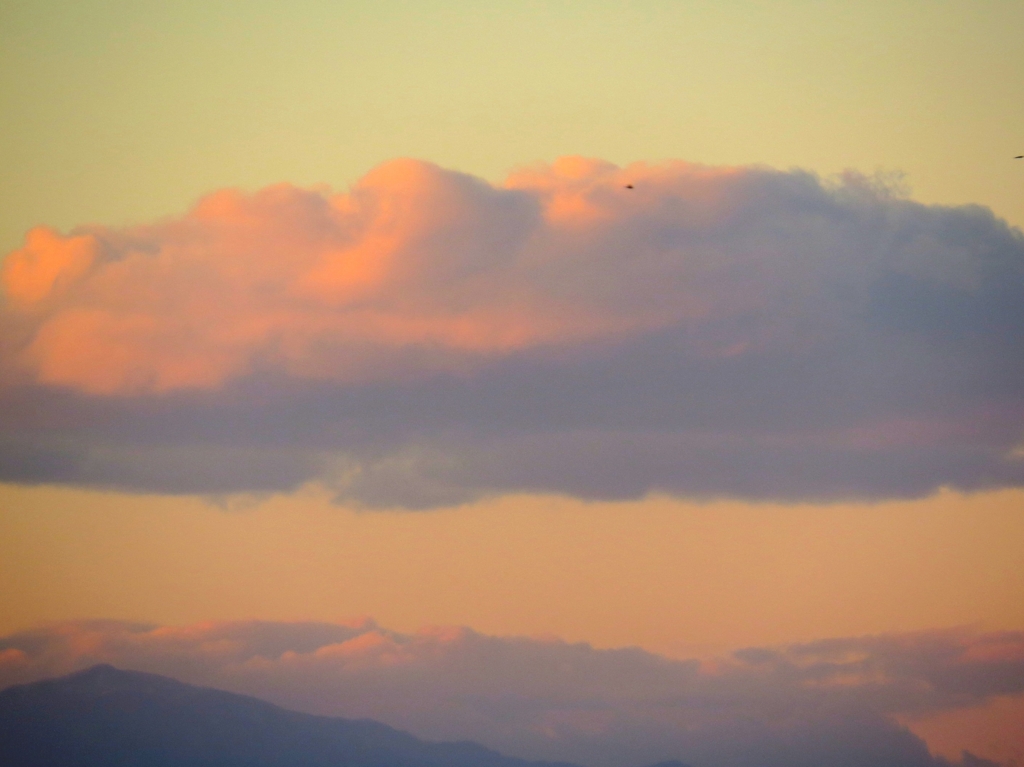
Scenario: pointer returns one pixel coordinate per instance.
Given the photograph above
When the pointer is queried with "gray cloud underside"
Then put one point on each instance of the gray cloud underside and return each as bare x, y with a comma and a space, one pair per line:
882, 356
828, 702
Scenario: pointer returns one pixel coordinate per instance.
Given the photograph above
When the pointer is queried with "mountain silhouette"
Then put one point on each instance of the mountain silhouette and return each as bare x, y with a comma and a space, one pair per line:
106, 717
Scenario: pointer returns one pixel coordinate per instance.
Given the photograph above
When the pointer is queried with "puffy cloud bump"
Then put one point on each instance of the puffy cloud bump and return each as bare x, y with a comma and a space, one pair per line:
428, 337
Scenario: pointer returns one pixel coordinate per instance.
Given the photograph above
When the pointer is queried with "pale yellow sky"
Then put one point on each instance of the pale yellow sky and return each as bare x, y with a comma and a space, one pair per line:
673, 577
119, 112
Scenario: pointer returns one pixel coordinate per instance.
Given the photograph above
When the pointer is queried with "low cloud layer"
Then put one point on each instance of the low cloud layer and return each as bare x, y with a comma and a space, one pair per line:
427, 338
831, 702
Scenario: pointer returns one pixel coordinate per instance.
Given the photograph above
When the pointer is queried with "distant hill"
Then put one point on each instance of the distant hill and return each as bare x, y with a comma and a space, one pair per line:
105, 717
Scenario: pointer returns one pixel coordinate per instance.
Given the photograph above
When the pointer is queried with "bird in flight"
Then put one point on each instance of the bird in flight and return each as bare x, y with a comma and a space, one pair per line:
629, 186
1019, 157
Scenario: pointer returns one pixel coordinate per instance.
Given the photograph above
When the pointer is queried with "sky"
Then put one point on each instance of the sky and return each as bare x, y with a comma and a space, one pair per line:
418, 349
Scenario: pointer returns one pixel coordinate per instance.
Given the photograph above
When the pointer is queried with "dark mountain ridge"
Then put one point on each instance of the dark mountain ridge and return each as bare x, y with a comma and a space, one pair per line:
106, 717
109, 717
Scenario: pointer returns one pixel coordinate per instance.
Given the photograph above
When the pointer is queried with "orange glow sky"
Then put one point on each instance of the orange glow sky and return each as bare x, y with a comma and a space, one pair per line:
675, 577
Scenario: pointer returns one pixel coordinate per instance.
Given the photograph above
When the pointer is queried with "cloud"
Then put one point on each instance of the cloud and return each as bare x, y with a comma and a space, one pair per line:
828, 702
426, 338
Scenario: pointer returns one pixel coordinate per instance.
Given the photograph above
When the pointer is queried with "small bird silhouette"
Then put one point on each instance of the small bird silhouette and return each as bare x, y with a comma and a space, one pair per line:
629, 186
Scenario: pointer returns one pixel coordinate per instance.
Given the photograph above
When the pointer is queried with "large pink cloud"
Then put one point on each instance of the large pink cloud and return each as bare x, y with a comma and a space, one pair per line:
418, 269
427, 337
415, 269
830, 702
